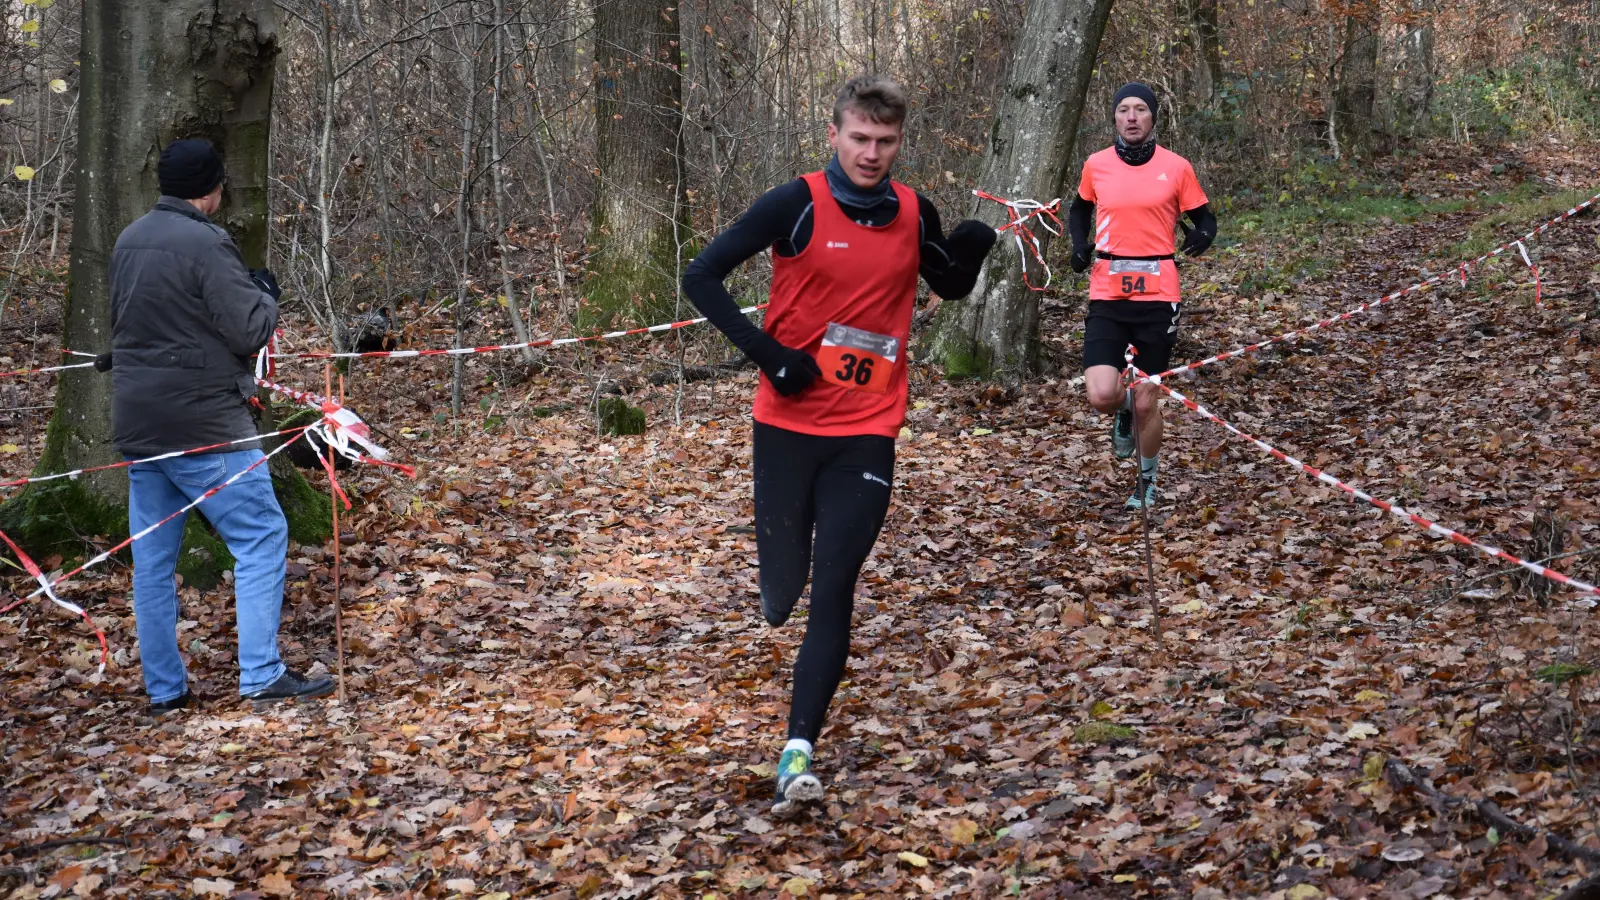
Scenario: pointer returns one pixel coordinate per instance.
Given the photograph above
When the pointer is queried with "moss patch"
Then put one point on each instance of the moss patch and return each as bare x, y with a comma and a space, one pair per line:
947, 345
965, 363
60, 517
308, 510
1102, 733
204, 556
627, 288
617, 417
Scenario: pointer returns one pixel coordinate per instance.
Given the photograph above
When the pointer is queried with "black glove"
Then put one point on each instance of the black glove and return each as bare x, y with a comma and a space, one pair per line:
268, 283
791, 371
1082, 257
102, 363
969, 242
1195, 241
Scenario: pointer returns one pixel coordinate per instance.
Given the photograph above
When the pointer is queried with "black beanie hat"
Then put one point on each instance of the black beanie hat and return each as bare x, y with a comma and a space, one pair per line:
189, 169
1137, 90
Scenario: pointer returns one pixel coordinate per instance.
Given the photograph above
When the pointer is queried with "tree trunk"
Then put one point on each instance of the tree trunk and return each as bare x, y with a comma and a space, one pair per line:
508, 288
994, 331
1416, 81
638, 134
1208, 75
469, 131
1357, 88
153, 71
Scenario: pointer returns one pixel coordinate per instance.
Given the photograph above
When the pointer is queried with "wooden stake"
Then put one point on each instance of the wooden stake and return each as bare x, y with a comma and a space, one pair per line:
333, 497
1144, 512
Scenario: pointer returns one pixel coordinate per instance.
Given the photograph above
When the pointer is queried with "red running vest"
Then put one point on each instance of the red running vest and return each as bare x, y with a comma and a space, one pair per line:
849, 274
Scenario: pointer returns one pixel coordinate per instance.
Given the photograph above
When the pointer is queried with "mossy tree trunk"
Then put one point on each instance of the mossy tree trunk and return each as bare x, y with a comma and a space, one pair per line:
153, 71
639, 210
994, 331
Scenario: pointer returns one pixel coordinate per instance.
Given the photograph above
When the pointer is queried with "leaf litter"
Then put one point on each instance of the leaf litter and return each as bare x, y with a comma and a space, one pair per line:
561, 684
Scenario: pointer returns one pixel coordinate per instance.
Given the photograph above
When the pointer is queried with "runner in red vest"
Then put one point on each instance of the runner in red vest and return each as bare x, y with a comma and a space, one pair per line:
1133, 193
848, 244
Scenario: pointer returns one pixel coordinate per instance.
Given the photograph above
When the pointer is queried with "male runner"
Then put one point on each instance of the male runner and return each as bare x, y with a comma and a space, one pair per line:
1138, 190
848, 244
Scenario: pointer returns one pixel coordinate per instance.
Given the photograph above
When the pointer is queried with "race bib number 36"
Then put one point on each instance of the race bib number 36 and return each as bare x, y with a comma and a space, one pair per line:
856, 359
1135, 277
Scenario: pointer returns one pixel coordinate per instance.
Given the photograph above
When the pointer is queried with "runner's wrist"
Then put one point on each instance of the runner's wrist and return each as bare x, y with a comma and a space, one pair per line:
766, 351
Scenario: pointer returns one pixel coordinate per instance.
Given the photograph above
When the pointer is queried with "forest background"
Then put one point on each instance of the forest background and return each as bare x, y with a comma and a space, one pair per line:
519, 617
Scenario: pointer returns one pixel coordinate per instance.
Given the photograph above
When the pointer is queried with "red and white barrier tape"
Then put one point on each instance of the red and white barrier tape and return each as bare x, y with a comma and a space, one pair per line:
21, 372
340, 426
48, 587
338, 437
19, 482
1389, 507
145, 531
1538, 288
265, 366
1461, 271
1018, 212
463, 351
49, 591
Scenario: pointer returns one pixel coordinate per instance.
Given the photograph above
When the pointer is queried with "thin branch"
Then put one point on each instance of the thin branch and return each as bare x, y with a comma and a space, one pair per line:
68, 842
1400, 777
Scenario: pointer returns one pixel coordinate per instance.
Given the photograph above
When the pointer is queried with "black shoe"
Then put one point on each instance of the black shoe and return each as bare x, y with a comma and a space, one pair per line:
182, 701
291, 685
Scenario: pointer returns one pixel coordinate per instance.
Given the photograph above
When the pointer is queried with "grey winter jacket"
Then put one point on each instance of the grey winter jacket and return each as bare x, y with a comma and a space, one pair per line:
186, 319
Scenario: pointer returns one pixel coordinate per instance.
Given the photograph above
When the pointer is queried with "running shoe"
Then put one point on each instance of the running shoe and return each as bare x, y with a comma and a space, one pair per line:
1145, 496
796, 784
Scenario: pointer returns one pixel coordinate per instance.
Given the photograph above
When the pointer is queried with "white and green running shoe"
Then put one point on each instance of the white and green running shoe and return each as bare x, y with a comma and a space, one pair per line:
796, 785
1145, 496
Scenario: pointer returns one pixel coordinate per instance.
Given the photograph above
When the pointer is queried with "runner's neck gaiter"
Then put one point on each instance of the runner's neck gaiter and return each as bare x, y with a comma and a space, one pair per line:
848, 194
1136, 154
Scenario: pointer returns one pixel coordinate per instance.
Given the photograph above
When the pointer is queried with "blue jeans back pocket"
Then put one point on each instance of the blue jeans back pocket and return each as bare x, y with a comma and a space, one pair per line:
201, 472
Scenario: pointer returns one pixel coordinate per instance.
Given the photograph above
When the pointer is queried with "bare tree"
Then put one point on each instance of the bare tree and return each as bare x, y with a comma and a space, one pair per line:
638, 137
1357, 88
1417, 73
994, 331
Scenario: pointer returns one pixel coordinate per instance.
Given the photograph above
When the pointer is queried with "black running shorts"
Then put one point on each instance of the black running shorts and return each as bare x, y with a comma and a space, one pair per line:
1151, 326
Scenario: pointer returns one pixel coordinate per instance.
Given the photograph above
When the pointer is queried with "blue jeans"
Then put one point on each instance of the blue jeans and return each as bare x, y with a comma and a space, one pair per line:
247, 516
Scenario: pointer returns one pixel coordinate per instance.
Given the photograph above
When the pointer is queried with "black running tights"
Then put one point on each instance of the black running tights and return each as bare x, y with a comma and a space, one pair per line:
820, 502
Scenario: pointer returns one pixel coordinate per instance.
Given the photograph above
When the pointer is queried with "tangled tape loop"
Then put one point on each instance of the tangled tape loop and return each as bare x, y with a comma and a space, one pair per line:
1018, 212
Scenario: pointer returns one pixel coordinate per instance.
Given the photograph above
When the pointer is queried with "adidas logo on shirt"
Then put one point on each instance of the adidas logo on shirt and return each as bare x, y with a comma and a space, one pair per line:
838, 245
1162, 177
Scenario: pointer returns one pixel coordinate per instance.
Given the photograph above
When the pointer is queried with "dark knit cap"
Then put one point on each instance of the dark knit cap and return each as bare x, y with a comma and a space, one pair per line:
189, 169
1138, 90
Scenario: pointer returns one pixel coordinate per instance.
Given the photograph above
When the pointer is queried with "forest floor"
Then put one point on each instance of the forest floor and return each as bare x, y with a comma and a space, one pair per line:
560, 683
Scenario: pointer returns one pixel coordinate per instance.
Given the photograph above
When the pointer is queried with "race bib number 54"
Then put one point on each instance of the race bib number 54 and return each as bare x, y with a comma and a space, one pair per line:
856, 359
1135, 277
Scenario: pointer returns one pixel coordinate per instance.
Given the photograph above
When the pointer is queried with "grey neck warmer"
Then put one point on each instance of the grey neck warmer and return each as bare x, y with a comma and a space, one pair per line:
848, 194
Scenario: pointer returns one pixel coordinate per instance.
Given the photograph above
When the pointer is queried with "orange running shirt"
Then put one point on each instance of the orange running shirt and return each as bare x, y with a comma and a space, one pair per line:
852, 275
1136, 212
